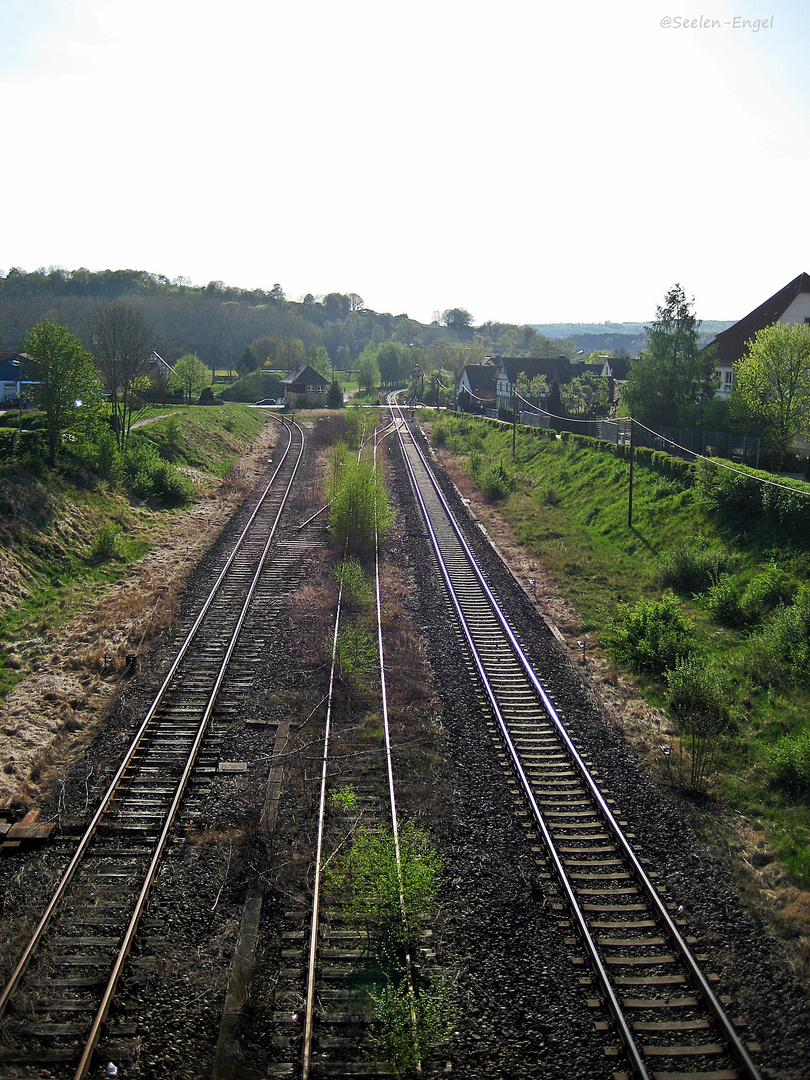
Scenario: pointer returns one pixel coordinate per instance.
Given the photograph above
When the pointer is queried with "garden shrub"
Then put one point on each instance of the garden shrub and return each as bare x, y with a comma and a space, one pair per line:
740, 498
358, 498
695, 688
408, 1029
650, 637
9, 440
150, 477
356, 652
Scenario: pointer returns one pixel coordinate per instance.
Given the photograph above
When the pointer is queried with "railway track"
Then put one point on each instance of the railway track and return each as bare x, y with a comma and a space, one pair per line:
323, 1014
57, 1001
649, 987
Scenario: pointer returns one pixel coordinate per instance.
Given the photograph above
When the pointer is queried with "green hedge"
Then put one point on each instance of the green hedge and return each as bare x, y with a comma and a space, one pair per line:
740, 498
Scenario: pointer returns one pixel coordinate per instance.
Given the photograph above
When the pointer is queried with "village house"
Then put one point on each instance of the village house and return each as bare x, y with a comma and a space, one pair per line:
790, 305
13, 381
305, 388
509, 368
476, 388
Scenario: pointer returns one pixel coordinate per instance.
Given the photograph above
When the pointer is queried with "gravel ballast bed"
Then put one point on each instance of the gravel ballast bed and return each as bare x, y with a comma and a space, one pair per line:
523, 1010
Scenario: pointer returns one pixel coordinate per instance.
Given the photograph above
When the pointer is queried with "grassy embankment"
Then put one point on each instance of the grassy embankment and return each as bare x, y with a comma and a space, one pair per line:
73, 530
735, 576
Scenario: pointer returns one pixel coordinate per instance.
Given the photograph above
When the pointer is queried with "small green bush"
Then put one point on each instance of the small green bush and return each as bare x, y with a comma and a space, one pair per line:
550, 495
770, 588
475, 464
358, 498
650, 637
109, 459
780, 650
495, 479
356, 590
789, 763
151, 478
356, 653
698, 689
722, 603
691, 568
408, 1029
440, 433
367, 881
698, 696
105, 546
9, 444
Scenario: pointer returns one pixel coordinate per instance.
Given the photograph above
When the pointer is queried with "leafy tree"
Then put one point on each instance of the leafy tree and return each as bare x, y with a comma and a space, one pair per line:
408, 331
773, 379
392, 361
334, 395
65, 379
191, 375
368, 373
458, 319
246, 362
534, 390
672, 376
320, 360
121, 346
336, 306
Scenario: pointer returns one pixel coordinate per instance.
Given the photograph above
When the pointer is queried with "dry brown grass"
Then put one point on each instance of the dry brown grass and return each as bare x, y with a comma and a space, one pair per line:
83, 661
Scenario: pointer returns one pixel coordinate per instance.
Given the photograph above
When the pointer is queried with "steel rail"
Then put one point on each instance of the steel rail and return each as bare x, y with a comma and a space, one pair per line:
107, 798
129, 934
736, 1044
613, 1003
306, 1056
389, 765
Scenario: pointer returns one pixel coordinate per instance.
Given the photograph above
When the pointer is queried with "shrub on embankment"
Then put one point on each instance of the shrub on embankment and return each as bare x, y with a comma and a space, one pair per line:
74, 529
712, 574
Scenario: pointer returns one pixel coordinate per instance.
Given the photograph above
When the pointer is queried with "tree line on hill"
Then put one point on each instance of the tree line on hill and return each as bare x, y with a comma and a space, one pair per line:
242, 329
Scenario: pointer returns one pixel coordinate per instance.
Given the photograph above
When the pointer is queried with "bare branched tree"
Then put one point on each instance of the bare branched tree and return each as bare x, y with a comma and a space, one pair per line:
122, 342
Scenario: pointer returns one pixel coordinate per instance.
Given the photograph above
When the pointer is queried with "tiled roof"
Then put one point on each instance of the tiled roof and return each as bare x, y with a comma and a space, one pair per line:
557, 367
730, 344
306, 375
481, 378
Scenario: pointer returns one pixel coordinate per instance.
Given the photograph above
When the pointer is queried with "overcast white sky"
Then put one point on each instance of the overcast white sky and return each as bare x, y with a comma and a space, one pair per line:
529, 161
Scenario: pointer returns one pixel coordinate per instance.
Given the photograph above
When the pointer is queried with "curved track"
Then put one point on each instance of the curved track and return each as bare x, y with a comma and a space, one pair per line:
669, 1019
60, 992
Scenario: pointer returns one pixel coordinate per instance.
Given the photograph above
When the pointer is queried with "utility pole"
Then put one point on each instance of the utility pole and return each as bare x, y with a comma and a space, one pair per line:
630, 496
514, 421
